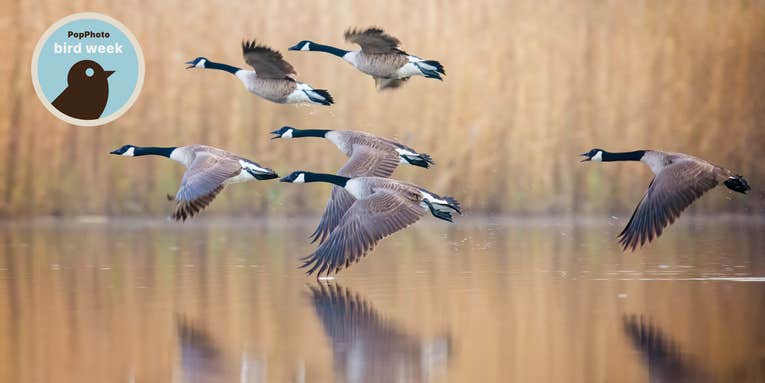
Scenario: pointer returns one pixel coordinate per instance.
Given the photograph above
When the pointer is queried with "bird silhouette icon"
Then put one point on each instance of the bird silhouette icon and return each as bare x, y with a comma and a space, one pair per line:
87, 91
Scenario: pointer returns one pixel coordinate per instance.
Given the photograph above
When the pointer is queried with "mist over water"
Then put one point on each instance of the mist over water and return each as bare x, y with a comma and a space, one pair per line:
485, 299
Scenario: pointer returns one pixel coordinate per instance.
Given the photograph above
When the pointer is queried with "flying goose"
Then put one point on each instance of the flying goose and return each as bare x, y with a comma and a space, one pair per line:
379, 57
273, 78
381, 207
368, 347
208, 169
369, 155
679, 180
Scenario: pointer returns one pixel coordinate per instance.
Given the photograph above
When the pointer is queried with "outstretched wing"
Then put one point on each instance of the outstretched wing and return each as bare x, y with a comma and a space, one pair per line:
373, 40
670, 192
202, 181
364, 162
367, 222
267, 62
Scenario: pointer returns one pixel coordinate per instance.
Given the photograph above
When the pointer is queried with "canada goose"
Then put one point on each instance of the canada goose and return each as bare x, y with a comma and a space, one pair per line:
679, 180
370, 155
368, 347
379, 57
208, 169
272, 79
382, 206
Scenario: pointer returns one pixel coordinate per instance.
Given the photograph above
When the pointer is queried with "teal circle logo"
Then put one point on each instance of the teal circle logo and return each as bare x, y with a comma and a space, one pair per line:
88, 69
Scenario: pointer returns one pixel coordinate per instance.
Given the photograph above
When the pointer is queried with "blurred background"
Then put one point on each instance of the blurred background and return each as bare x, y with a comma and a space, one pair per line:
529, 86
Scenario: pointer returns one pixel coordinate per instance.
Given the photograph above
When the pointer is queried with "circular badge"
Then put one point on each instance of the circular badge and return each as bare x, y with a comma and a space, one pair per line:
87, 69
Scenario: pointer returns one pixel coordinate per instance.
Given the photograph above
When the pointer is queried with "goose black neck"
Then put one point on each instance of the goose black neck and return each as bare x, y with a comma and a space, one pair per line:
164, 152
223, 67
328, 49
329, 178
637, 155
310, 132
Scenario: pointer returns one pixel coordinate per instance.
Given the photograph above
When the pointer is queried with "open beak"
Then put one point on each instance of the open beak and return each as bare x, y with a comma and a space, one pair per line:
109, 72
276, 135
587, 157
190, 63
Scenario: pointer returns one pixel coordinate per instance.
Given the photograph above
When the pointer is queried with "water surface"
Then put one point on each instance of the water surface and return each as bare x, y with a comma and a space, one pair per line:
483, 300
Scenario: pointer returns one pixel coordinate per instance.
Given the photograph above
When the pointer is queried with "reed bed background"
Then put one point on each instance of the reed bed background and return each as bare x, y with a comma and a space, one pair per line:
530, 85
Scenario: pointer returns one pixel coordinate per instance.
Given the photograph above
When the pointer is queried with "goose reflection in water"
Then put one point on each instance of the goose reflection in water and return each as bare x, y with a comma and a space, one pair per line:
367, 347
668, 364
662, 356
202, 361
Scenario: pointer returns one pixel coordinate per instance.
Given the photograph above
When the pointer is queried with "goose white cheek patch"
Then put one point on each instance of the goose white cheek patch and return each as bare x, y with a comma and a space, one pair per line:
299, 179
598, 157
129, 153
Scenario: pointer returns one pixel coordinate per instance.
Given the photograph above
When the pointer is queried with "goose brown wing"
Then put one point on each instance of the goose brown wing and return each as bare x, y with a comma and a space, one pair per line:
267, 62
367, 222
202, 181
364, 162
670, 192
373, 40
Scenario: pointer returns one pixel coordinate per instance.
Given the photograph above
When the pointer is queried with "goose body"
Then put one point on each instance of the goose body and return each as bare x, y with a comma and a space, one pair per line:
369, 155
379, 57
679, 180
208, 170
381, 207
271, 78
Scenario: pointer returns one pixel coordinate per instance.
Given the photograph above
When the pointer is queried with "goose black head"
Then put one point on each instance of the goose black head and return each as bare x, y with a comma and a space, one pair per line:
297, 177
198, 62
304, 45
593, 155
126, 150
283, 132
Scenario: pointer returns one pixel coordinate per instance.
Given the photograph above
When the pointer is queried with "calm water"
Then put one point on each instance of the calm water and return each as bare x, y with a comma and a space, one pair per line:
483, 300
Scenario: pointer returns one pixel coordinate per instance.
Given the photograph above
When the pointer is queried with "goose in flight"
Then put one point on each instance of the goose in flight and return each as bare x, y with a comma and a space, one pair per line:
379, 57
381, 207
369, 155
272, 77
208, 170
679, 180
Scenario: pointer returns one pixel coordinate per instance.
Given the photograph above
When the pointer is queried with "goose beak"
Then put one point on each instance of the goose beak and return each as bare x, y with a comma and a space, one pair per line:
276, 135
285, 179
294, 47
190, 63
114, 152
587, 157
